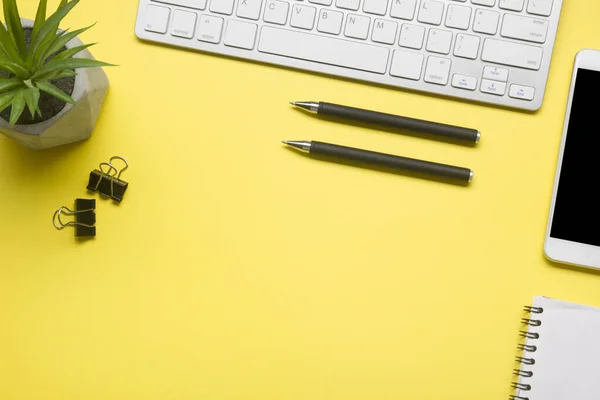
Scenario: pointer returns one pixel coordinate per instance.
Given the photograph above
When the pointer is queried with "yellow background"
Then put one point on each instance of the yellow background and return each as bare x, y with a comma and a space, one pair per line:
238, 269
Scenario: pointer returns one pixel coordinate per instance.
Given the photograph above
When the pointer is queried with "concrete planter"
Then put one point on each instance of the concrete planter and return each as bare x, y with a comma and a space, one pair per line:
73, 123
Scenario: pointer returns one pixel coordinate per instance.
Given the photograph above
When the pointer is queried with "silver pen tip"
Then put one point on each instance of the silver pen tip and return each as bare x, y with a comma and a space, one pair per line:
293, 103
284, 142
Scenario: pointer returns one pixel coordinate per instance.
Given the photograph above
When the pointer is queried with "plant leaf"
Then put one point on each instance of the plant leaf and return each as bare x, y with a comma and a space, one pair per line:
13, 68
18, 106
8, 47
49, 27
68, 53
9, 84
59, 42
36, 56
52, 90
6, 98
32, 99
69, 63
60, 74
62, 3
40, 17
13, 23
68, 73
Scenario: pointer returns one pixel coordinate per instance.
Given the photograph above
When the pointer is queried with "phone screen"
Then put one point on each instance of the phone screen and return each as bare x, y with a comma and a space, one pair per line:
577, 208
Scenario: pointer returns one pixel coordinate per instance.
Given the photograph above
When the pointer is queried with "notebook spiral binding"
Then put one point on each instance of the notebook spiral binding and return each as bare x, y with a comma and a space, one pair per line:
524, 371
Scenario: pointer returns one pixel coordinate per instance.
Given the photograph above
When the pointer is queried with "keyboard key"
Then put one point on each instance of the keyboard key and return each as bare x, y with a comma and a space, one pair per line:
438, 70
458, 17
439, 41
509, 53
495, 74
330, 21
513, 5
486, 21
378, 7
493, 87
540, 7
521, 92
221, 6
197, 4
357, 26
325, 50
384, 31
403, 9
489, 3
209, 29
524, 28
348, 4
303, 17
407, 65
240, 34
157, 19
412, 36
184, 24
466, 46
276, 12
249, 9
431, 12
321, 2
464, 82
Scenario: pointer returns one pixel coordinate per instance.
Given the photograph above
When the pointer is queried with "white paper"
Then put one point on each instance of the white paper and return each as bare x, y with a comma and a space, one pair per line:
567, 359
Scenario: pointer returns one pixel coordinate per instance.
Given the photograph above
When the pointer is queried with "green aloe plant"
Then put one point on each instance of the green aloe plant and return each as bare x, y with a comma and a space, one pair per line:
32, 68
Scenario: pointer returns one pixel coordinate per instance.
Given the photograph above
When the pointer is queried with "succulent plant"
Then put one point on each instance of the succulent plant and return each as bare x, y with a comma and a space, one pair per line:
31, 67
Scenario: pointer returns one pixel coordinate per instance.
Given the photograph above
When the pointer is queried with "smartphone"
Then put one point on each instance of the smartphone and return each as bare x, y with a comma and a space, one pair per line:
573, 232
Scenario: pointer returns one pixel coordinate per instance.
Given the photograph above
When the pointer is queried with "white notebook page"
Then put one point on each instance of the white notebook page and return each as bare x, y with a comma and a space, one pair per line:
567, 359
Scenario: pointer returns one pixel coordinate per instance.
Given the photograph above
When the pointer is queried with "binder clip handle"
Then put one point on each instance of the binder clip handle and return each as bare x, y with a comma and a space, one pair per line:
112, 171
56, 218
118, 172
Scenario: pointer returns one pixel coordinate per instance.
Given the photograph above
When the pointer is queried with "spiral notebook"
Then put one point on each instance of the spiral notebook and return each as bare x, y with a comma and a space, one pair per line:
560, 357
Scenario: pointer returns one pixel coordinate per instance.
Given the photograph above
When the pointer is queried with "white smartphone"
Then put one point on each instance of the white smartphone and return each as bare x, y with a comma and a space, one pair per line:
573, 232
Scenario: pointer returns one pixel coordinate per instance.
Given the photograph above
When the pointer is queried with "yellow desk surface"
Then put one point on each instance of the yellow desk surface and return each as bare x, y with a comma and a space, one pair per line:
238, 269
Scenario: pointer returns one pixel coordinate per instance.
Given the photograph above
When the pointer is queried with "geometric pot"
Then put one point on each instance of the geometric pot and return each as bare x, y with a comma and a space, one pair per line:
72, 123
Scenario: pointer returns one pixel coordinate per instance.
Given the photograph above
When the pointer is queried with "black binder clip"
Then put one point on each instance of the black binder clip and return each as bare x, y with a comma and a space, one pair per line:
109, 183
85, 217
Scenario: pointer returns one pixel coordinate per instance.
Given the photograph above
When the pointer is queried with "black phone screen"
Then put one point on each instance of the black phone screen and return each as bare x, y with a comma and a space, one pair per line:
577, 209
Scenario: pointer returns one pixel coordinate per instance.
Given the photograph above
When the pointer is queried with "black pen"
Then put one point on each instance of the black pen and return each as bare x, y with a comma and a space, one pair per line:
384, 160
390, 120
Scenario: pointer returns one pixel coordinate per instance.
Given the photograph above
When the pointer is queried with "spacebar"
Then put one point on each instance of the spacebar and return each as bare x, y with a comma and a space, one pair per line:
342, 53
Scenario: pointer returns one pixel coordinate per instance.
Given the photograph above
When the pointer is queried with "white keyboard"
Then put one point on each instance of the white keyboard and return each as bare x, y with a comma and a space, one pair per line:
492, 51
